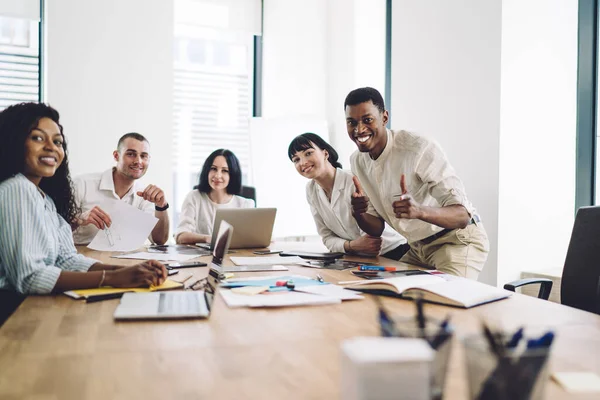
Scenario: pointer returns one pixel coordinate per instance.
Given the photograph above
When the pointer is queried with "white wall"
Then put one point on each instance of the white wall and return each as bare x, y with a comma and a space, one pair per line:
446, 85
355, 58
537, 137
294, 58
109, 72
314, 53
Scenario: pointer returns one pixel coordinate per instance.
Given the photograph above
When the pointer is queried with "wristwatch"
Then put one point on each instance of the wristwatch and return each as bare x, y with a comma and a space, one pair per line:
157, 208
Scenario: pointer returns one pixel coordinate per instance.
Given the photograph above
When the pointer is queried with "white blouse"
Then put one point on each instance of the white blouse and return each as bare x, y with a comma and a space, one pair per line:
198, 212
334, 219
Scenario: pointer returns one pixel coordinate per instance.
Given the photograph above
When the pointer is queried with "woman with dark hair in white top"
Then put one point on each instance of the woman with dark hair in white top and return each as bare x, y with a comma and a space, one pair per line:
219, 185
328, 194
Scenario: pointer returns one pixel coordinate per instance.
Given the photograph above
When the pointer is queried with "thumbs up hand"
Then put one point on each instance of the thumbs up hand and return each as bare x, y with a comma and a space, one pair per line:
406, 206
359, 201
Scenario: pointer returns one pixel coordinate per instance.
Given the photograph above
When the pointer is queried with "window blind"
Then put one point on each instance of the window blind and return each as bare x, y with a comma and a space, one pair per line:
19, 61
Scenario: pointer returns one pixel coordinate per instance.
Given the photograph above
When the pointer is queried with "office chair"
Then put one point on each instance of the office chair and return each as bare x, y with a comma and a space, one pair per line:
249, 192
580, 286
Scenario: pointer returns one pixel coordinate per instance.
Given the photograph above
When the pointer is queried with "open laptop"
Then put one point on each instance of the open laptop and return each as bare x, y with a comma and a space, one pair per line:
179, 304
252, 227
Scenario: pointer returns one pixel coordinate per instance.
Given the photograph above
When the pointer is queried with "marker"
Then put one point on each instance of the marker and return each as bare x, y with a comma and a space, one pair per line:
375, 268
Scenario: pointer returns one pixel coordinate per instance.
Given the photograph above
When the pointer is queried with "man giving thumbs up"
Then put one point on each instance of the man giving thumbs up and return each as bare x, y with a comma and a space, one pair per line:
405, 180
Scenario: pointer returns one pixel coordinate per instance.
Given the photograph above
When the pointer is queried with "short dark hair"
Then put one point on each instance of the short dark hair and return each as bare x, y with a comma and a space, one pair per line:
16, 123
306, 141
133, 135
363, 95
235, 172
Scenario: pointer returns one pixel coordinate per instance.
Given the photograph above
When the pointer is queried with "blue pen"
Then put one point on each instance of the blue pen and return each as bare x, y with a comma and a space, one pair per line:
375, 268
516, 338
545, 341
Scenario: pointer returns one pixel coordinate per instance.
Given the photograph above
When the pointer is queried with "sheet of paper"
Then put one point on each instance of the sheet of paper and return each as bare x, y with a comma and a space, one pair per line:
143, 255
331, 290
280, 299
271, 281
578, 382
270, 260
130, 228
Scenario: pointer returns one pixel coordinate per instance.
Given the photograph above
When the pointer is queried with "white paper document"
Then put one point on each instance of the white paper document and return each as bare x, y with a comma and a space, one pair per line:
143, 255
271, 260
331, 290
129, 229
281, 299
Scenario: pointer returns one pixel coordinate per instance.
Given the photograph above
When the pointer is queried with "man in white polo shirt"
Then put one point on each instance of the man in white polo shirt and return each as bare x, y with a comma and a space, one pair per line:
132, 157
406, 180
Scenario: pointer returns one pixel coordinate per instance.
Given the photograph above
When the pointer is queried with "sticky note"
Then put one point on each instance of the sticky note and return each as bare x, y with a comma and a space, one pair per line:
578, 382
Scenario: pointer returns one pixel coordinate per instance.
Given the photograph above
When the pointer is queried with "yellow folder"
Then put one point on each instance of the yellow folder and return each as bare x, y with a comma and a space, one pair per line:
85, 293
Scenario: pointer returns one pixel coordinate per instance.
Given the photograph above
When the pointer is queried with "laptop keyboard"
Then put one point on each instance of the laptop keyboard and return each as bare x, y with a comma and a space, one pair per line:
179, 303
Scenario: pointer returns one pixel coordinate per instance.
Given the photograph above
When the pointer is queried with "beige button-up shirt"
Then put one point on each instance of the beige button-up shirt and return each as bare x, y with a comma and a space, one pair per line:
430, 179
334, 219
93, 190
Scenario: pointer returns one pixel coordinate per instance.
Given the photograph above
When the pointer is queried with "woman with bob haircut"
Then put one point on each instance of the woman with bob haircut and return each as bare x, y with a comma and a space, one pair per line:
328, 193
37, 254
219, 186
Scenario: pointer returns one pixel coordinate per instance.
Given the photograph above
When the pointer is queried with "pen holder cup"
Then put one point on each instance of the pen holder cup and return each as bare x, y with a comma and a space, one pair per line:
516, 374
438, 338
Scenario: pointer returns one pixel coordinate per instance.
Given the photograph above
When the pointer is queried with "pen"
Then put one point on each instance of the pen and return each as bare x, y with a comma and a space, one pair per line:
108, 296
441, 335
320, 278
514, 341
375, 268
496, 348
387, 325
109, 237
420, 316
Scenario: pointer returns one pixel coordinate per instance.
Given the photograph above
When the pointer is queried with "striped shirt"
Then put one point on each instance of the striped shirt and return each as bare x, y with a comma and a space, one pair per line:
36, 243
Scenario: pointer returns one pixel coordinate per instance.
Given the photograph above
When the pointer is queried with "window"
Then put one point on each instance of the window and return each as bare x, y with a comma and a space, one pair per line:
212, 93
19, 61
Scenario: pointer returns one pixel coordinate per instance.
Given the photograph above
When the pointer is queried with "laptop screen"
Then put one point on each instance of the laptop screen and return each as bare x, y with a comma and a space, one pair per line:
221, 245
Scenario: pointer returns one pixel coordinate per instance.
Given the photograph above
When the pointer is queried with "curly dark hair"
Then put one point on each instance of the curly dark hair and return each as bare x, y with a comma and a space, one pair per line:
363, 95
16, 123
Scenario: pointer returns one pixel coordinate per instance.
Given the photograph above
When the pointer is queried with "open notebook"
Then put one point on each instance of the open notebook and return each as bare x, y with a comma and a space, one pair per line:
442, 289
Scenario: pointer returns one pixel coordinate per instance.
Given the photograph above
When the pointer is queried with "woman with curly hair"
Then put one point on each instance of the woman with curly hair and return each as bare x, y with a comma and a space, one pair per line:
37, 254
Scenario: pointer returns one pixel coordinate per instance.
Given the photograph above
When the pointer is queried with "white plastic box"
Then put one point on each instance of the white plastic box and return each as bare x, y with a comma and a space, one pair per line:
380, 368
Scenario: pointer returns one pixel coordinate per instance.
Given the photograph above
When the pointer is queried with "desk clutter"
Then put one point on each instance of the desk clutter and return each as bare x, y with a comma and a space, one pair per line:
282, 291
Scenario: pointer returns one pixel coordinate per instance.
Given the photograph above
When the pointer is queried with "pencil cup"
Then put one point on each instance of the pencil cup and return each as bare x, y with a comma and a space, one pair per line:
439, 338
376, 368
512, 373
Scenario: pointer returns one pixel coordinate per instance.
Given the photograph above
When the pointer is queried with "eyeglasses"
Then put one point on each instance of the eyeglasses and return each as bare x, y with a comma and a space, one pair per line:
208, 285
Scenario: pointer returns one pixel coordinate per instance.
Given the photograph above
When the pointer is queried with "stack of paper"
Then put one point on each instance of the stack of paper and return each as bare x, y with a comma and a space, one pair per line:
306, 291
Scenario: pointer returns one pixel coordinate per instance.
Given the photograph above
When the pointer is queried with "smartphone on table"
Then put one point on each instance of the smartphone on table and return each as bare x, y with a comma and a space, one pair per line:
187, 264
265, 252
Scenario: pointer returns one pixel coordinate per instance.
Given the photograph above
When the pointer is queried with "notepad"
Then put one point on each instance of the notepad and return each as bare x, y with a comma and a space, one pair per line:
441, 289
85, 293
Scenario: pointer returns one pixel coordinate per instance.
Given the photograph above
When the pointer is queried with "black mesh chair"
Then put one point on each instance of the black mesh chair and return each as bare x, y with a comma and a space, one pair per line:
580, 286
249, 192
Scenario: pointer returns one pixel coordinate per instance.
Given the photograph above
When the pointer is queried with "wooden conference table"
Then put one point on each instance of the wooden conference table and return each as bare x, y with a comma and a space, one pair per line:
60, 348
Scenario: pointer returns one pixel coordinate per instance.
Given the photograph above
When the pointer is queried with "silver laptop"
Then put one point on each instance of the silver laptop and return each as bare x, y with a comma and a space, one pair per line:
179, 304
252, 227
